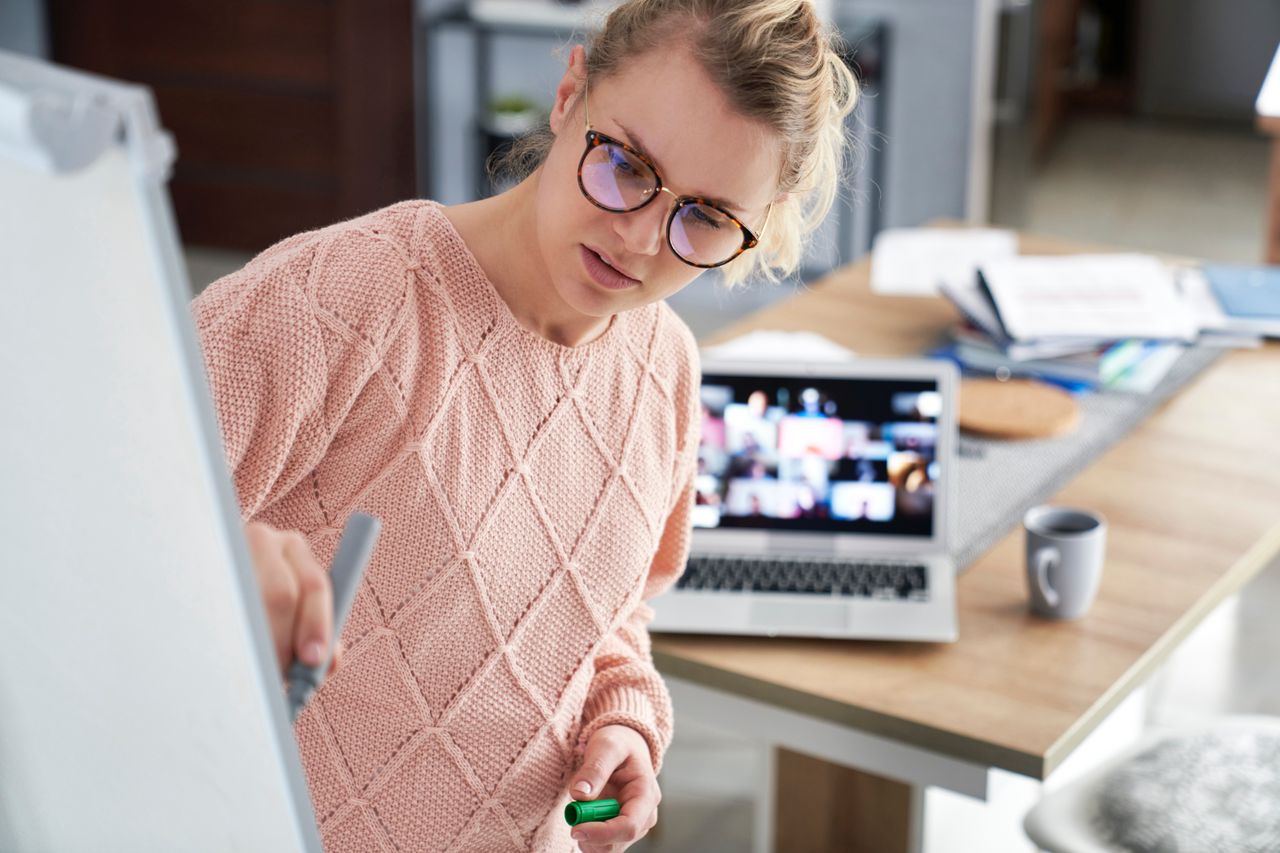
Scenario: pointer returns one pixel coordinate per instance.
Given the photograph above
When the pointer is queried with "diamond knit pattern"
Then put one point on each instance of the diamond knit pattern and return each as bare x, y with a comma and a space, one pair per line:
533, 498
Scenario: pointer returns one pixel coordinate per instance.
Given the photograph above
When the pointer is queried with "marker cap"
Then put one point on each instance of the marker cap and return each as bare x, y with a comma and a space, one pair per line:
591, 810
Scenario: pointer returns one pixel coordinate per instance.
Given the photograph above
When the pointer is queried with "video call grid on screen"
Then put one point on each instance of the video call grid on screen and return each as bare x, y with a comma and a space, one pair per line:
840, 455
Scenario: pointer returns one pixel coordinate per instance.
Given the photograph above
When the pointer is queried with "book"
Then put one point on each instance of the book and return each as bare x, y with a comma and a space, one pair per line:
1248, 297
1101, 366
1028, 350
1143, 377
1071, 384
1215, 326
974, 304
1102, 296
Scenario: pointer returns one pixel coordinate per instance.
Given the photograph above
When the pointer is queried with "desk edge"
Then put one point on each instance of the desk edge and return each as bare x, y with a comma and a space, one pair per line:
862, 719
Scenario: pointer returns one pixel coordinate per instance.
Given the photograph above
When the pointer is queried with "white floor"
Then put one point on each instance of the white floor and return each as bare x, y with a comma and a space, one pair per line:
1192, 190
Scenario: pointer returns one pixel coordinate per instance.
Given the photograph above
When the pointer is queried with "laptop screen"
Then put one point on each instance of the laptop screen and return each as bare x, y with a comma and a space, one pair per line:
843, 455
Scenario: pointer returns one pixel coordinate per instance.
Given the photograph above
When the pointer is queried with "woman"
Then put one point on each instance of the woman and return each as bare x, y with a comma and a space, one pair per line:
501, 383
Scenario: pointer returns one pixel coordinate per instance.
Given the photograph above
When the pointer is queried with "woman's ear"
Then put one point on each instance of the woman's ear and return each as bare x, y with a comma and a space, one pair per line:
570, 88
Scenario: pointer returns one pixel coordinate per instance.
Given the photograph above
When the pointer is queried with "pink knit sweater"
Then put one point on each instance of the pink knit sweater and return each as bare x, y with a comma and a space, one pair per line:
532, 497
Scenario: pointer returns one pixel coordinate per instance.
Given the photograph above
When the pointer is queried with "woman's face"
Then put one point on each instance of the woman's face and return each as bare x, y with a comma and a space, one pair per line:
664, 105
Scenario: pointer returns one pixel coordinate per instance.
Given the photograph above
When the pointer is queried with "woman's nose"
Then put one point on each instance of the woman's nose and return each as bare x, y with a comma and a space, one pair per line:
642, 230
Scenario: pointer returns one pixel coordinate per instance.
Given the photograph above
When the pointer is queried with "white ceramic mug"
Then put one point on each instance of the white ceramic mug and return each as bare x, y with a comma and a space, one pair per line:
1066, 549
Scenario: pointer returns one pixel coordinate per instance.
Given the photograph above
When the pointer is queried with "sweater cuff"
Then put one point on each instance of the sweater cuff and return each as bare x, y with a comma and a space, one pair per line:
627, 706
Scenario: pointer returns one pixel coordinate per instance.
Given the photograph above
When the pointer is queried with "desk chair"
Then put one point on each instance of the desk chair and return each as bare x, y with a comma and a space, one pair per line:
1210, 788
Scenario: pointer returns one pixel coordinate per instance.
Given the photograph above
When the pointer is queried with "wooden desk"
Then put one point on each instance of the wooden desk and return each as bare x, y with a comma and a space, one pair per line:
1193, 500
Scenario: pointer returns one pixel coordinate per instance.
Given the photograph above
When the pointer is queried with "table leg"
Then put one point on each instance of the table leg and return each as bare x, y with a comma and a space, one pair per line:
820, 807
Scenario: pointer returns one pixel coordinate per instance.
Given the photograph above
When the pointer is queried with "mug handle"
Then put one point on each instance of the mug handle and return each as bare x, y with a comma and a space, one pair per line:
1047, 558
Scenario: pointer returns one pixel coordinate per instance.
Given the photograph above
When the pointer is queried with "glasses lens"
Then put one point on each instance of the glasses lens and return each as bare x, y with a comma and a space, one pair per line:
703, 235
615, 179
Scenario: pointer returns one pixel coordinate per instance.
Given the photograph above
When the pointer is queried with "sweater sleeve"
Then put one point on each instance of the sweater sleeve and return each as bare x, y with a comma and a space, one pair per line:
627, 688
268, 373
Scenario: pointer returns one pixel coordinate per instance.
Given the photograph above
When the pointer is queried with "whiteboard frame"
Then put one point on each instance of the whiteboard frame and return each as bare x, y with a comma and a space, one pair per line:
60, 121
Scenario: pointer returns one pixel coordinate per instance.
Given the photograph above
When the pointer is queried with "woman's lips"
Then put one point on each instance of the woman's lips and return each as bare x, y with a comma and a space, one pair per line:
608, 260
603, 274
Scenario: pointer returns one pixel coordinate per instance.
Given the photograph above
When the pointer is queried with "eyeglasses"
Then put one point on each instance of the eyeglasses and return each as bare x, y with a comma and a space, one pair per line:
616, 177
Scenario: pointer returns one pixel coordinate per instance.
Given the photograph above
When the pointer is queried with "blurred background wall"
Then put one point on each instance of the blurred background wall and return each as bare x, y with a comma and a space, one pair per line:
1129, 121
288, 114
22, 27
1203, 59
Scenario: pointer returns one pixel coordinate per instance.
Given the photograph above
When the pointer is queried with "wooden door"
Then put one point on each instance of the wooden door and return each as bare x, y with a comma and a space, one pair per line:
287, 114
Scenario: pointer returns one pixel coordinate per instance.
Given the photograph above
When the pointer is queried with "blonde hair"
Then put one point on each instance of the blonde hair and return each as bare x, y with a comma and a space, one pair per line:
777, 64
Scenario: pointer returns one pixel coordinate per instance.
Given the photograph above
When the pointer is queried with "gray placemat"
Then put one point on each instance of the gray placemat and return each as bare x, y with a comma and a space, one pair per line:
1000, 480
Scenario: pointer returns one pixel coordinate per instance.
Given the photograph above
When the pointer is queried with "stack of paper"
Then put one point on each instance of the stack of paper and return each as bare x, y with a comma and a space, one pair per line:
1081, 321
771, 345
919, 261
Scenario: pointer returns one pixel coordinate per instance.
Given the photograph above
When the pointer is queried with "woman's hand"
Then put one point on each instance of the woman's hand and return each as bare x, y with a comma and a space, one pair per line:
616, 766
296, 594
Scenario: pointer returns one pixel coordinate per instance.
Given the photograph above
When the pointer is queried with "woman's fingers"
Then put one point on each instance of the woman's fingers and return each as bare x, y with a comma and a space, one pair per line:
639, 800
338, 651
314, 615
602, 758
637, 788
278, 585
639, 812
296, 594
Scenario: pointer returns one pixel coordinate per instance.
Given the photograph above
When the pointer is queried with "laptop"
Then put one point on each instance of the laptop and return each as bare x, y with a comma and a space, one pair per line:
824, 499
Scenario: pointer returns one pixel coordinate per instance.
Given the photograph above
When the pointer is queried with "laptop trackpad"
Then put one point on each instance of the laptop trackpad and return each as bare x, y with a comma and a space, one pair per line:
811, 614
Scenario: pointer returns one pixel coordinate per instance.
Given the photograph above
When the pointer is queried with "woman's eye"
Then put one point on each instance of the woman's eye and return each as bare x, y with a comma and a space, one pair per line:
704, 219
621, 163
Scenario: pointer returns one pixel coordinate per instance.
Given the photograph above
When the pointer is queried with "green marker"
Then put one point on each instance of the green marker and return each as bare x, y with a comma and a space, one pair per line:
590, 810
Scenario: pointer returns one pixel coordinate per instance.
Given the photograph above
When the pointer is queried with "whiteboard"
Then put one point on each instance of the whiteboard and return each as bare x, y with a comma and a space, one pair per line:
140, 703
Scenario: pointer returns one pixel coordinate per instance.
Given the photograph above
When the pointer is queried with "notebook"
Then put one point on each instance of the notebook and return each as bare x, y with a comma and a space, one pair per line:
1249, 296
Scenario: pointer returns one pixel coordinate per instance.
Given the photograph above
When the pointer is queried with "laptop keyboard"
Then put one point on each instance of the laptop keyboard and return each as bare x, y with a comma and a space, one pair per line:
872, 579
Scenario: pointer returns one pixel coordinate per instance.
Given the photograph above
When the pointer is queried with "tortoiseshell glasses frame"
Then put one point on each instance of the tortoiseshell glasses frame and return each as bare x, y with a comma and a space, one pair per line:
595, 140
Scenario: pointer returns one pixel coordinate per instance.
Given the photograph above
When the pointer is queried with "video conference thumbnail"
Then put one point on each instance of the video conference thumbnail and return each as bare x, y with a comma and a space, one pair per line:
842, 455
